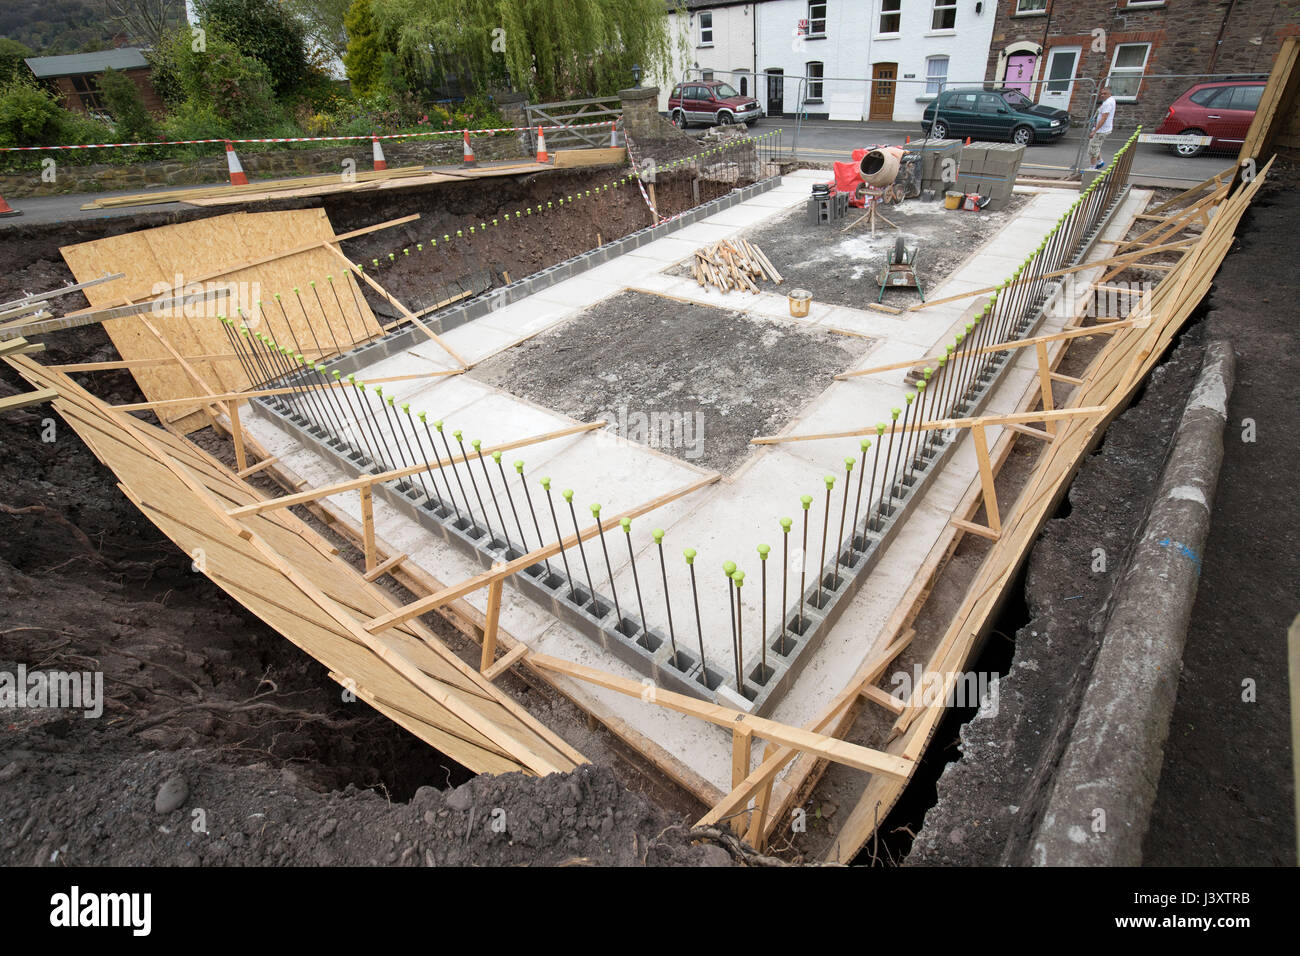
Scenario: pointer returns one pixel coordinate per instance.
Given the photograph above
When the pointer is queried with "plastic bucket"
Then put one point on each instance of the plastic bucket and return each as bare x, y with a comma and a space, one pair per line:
952, 200
800, 301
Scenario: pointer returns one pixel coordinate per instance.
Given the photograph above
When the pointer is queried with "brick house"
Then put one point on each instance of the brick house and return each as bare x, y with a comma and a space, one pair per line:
75, 77
1057, 51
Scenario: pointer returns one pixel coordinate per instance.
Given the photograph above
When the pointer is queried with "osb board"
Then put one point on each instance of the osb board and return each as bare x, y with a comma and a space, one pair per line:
274, 575
569, 158
158, 260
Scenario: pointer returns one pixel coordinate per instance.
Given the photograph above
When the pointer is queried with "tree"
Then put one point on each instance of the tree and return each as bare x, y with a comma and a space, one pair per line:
224, 84
147, 22
364, 59
323, 23
263, 30
12, 54
122, 97
550, 48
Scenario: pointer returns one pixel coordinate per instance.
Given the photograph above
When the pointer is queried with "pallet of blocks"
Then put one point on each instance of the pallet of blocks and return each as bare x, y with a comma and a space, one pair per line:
733, 264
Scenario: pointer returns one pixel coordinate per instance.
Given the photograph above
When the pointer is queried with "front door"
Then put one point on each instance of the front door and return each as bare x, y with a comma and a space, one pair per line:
775, 92
1062, 64
883, 76
1020, 73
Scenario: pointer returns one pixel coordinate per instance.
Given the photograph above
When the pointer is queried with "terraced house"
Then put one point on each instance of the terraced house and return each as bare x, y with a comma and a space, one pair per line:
1057, 52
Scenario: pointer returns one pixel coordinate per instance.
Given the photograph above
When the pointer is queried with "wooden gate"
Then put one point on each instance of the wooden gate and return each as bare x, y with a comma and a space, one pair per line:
570, 114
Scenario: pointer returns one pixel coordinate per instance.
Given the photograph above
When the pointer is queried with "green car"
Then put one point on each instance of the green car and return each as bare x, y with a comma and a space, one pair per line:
1004, 114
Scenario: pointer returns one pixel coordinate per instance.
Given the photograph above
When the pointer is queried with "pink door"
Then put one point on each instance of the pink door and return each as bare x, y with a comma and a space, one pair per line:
1020, 73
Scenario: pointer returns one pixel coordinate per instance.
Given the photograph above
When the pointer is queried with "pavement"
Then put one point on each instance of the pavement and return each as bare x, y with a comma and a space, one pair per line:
825, 140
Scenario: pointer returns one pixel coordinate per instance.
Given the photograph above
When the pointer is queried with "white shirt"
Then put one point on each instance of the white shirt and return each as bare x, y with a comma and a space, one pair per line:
1106, 115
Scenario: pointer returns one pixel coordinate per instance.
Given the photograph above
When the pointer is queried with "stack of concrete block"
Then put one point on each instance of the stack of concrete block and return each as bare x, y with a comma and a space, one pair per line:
990, 169
933, 154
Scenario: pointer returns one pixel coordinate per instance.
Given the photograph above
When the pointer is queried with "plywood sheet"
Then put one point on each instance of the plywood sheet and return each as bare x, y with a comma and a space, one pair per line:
285, 575
156, 261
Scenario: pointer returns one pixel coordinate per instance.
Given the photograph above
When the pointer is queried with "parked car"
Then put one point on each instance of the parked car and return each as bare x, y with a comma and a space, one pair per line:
1222, 110
991, 115
711, 101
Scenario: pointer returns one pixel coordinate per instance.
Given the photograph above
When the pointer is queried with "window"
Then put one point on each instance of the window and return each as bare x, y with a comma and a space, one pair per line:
706, 75
1245, 97
1126, 69
1209, 95
890, 15
991, 103
936, 73
1031, 6
945, 15
961, 101
706, 29
813, 71
816, 19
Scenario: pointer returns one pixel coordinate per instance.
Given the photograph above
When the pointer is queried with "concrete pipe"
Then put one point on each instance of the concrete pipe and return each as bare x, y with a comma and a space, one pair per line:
880, 166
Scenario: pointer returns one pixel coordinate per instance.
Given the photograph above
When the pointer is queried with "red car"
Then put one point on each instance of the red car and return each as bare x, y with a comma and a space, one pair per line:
711, 101
1222, 109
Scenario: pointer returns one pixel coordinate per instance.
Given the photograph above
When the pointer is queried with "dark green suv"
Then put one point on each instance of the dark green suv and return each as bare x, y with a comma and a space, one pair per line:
993, 115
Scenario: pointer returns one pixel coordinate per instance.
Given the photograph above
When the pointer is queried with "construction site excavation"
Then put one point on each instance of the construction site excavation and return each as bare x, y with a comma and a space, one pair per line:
669, 455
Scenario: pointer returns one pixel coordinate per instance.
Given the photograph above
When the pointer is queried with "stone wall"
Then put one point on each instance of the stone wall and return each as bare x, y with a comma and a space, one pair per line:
272, 164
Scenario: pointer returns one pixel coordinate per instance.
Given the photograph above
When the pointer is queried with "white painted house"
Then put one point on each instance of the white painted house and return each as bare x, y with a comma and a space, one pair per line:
866, 60
711, 40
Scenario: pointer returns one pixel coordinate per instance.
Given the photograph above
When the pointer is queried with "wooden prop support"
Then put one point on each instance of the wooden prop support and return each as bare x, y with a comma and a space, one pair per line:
22, 399
470, 585
489, 653
996, 347
366, 481
268, 392
839, 751
941, 424
406, 313
368, 526
1092, 264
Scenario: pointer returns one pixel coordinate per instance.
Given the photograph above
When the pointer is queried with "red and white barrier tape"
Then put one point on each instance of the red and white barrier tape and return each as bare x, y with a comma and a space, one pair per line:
313, 139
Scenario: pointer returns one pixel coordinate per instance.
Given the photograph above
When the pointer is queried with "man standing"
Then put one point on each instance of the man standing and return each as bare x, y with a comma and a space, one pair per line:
1101, 127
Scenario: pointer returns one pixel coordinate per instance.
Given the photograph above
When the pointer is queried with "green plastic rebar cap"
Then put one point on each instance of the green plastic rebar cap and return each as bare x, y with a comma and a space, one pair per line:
729, 568
319, 367
848, 464
456, 435
438, 424
785, 524
420, 415
406, 407
379, 390
475, 444
895, 412
920, 387
739, 578
626, 524
595, 510
390, 401
338, 376
910, 397
519, 466
545, 482
658, 535
763, 550
689, 555
352, 379
567, 493
496, 456
880, 428
927, 372
806, 501
943, 360
830, 482
864, 444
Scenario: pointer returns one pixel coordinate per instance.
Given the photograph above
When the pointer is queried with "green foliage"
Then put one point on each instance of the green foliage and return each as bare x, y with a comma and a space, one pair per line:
550, 48
322, 23
263, 30
131, 120
364, 59
31, 116
223, 84
12, 54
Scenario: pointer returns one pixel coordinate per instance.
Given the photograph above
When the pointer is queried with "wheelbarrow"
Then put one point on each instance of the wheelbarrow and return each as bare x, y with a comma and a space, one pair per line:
900, 270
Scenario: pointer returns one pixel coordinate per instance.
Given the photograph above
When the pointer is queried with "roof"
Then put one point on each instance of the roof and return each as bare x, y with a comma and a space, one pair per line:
79, 64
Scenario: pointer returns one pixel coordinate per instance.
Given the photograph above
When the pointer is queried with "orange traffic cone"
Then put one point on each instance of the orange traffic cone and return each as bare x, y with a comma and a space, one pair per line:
542, 155
378, 152
8, 210
613, 136
967, 140
237, 177
907, 141
469, 152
